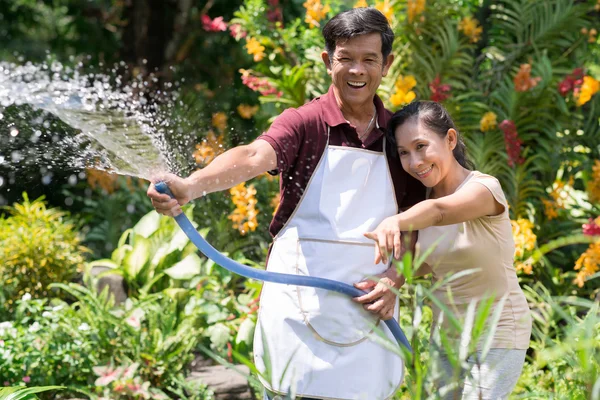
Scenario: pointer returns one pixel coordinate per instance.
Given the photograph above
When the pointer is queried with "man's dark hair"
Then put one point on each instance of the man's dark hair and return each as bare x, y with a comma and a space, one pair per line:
356, 22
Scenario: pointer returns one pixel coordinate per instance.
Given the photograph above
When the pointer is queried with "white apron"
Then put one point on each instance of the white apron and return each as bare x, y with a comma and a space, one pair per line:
313, 342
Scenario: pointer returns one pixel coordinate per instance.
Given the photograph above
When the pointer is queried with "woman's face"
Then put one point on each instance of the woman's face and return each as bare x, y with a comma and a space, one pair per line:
424, 154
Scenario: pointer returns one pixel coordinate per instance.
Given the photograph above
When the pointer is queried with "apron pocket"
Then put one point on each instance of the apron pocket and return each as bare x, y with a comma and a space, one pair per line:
333, 317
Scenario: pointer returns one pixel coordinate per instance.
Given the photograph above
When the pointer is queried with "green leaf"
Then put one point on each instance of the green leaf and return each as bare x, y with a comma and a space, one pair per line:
135, 260
147, 225
245, 332
186, 268
25, 393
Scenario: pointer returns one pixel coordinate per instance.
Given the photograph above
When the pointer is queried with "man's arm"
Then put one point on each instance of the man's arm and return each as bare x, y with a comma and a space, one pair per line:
227, 170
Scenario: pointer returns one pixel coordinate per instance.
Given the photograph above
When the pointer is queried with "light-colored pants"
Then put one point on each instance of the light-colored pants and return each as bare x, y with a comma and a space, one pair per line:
491, 379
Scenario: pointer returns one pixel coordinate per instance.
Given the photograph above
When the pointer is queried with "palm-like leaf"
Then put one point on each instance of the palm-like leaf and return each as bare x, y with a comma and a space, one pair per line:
24, 393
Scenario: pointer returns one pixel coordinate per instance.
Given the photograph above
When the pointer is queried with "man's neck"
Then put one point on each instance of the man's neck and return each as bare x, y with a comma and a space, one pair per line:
355, 112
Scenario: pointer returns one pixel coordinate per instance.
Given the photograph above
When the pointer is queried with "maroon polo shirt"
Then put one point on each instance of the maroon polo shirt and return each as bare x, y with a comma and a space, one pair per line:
299, 137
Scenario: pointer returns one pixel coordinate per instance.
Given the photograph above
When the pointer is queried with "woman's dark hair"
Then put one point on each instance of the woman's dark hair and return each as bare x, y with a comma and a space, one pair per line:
356, 22
433, 116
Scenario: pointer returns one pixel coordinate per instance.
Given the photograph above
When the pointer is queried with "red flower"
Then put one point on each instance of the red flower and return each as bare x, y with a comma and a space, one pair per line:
591, 228
213, 25
571, 82
512, 142
439, 92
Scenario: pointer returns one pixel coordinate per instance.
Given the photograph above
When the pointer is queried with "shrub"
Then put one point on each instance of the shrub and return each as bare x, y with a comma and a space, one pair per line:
38, 246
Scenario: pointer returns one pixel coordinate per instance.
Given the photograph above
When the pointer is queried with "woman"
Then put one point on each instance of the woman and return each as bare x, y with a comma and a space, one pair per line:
467, 211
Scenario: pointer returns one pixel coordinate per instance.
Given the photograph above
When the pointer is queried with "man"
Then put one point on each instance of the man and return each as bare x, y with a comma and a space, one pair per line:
337, 182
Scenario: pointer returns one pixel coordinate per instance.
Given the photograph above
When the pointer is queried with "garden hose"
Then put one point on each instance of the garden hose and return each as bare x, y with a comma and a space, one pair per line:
274, 277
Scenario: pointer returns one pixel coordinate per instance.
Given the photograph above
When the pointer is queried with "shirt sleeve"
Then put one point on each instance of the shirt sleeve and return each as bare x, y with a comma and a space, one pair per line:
493, 185
285, 136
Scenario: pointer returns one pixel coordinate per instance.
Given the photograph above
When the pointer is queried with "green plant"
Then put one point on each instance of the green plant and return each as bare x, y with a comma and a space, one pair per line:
24, 393
38, 246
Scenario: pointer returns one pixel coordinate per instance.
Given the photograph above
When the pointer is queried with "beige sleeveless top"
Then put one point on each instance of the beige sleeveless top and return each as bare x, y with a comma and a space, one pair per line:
487, 244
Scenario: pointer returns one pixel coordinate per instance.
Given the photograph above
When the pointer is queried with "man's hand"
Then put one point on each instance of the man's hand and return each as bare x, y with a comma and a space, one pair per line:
381, 299
163, 203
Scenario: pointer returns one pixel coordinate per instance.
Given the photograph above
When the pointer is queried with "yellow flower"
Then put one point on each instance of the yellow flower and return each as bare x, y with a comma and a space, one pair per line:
360, 4
219, 121
255, 48
247, 111
385, 8
523, 236
589, 88
593, 186
525, 267
415, 8
587, 264
549, 209
315, 12
210, 147
244, 215
488, 122
470, 27
403, 94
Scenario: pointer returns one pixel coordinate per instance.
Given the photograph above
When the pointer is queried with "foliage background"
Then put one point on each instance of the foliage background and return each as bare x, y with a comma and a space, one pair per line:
519, 77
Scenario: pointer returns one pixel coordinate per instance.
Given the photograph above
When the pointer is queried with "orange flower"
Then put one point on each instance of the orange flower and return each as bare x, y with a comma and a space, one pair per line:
488, 122
385, 8
549, 209
210, 147
247, 111
523, 236
107, 181
593, 186
219, 121
470, 27
361, 4
315, 12
587, 264
275, 201
523, 80
589, 88
415, 8
244, 215
255, 49
404, 93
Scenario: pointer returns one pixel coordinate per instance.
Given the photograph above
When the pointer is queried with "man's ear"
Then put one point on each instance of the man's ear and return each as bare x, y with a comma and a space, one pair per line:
387, 64
327, 61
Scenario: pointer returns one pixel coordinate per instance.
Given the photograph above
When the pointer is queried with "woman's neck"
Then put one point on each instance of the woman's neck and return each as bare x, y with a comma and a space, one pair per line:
455, 177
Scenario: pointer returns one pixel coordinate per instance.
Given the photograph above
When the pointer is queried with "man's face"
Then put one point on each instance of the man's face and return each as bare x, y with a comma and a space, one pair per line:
357, 67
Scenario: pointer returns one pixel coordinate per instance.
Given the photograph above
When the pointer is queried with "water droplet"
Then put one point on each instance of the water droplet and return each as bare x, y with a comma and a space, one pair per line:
1, 181
130, 208
46, 179
69, 201
72, 180
14, 132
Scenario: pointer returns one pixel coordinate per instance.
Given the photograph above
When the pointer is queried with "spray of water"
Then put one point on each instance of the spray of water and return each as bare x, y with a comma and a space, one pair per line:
117, 129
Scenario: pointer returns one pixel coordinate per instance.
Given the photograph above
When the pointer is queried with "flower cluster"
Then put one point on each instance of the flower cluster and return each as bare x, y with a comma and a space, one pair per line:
121, 382
237, 31
593, 186
213, 25
219, 121
592, 228
415, 8
386, 9
488, 122
361, 4
523, 80
587, 264
439, 92
589, 87
592, 34
210, 147
246, 111
315, 12
275, 14
512, 142
525, 240
244, 215
572, 82
404, 93
471, 29
255, 48
559, 197
261, 85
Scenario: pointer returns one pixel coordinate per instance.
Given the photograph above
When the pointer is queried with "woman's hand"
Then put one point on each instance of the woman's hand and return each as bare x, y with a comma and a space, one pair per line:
381, 300
387, 237
163, 203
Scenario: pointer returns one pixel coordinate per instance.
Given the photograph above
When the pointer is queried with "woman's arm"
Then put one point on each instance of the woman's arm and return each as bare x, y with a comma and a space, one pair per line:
473, 201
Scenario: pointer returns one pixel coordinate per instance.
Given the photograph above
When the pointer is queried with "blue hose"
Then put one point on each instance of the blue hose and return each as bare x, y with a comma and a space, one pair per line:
275, 277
